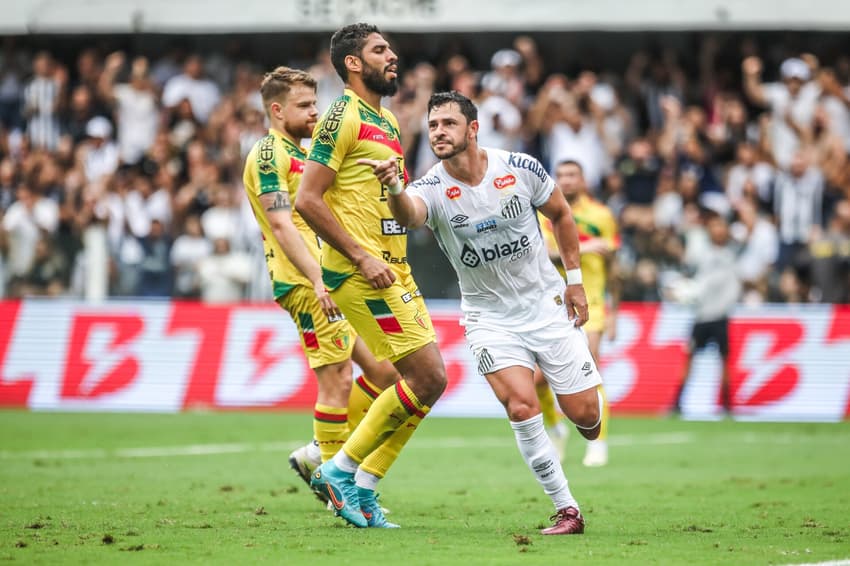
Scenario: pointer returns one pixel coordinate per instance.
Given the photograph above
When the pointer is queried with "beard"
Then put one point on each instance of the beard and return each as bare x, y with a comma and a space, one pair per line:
303, 131
375, 81
452, 150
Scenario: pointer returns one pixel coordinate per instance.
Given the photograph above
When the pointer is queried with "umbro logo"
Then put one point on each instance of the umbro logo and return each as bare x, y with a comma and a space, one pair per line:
459, 221
586, 369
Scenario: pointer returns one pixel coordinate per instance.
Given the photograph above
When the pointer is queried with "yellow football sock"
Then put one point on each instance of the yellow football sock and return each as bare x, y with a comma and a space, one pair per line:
606, 413
378, 462
551, 416
330, 429
388, 413
363, 394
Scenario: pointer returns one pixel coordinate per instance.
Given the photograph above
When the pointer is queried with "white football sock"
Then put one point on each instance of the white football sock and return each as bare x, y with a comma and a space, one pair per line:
542, 458
344, 462
366, 480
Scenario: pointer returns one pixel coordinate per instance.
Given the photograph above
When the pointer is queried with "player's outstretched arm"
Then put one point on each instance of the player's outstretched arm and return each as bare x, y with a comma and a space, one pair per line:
558, 211
278, 211
407, 210
317, 178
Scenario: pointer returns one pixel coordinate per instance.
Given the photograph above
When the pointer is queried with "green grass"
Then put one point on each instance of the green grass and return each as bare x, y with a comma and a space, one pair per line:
674, 493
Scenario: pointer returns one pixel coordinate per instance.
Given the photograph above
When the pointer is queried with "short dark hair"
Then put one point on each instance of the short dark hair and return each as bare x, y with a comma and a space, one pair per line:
571, 162
467, 107
349, 40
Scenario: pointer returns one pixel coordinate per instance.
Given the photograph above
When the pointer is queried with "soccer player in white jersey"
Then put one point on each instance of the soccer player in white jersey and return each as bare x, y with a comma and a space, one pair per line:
481, 204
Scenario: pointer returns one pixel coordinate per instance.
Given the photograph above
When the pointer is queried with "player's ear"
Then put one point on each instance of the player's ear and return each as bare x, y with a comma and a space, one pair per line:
473, 127
353, 64
275, 108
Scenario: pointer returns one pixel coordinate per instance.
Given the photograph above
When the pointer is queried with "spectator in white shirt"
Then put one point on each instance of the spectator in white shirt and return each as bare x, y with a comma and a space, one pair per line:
224, 274
570, 136
24, 221
136, 106
499, 121
186, 254
748, 169
792, 104
100, 153
202, 93
759, 242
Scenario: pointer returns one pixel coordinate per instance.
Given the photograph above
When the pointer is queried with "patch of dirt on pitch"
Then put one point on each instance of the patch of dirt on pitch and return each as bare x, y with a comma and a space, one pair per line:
697, 529
20, 544
522, 540
226, 488
36, 525
260, 511
107, 539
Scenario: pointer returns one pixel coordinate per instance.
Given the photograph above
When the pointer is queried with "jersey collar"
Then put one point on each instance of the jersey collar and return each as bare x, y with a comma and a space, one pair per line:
353, 95
286, 141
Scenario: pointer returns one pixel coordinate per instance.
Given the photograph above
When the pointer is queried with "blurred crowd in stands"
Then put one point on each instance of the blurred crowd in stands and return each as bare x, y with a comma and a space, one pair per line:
121, 175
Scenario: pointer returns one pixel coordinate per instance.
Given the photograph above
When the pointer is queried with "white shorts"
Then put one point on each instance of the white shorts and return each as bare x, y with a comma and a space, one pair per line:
560, 349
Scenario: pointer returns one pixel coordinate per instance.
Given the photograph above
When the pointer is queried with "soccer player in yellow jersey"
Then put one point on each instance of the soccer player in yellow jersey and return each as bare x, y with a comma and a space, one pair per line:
272, 176
364, 260
598, 240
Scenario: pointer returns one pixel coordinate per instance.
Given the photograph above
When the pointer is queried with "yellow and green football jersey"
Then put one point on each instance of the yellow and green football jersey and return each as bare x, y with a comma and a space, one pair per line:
276, 164
350, 130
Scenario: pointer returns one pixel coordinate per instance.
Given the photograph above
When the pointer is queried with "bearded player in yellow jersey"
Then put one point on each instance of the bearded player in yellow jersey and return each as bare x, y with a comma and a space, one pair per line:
598, 240
364, 260
272, 177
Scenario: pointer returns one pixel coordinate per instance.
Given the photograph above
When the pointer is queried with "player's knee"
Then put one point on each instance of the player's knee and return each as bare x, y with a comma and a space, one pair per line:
438, 381
334, 380
385, 375
521, 410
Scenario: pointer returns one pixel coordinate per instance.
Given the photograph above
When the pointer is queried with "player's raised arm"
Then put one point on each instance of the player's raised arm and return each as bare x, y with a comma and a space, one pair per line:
407, 210
558, 211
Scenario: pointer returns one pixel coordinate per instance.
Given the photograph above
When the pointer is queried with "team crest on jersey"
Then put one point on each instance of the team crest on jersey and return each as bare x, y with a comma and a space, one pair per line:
504, 182
512, 207
340, 339
420, 320
453, 192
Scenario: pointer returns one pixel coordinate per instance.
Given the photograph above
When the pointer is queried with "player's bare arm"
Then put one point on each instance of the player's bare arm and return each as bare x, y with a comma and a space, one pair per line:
309, 203
408, 211
558, 211
277, 209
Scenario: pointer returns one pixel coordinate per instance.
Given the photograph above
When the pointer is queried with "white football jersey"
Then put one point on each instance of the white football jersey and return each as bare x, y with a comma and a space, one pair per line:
492, 238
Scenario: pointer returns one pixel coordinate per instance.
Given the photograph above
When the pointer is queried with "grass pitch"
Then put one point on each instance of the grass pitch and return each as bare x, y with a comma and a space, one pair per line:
216, 488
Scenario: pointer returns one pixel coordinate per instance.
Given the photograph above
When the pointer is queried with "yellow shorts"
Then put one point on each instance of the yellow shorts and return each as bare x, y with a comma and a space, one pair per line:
324, 341
596, 311
393, 322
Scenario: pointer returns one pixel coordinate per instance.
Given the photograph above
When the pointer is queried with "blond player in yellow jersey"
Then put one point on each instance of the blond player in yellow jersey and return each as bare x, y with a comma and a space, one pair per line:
598, 240
364, 261
272, 177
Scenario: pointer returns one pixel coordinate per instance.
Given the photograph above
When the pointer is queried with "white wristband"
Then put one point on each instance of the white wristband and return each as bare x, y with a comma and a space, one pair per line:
574, 276
396, 188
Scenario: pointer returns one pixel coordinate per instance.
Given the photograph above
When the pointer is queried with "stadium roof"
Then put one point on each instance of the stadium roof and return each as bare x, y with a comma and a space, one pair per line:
221, 16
